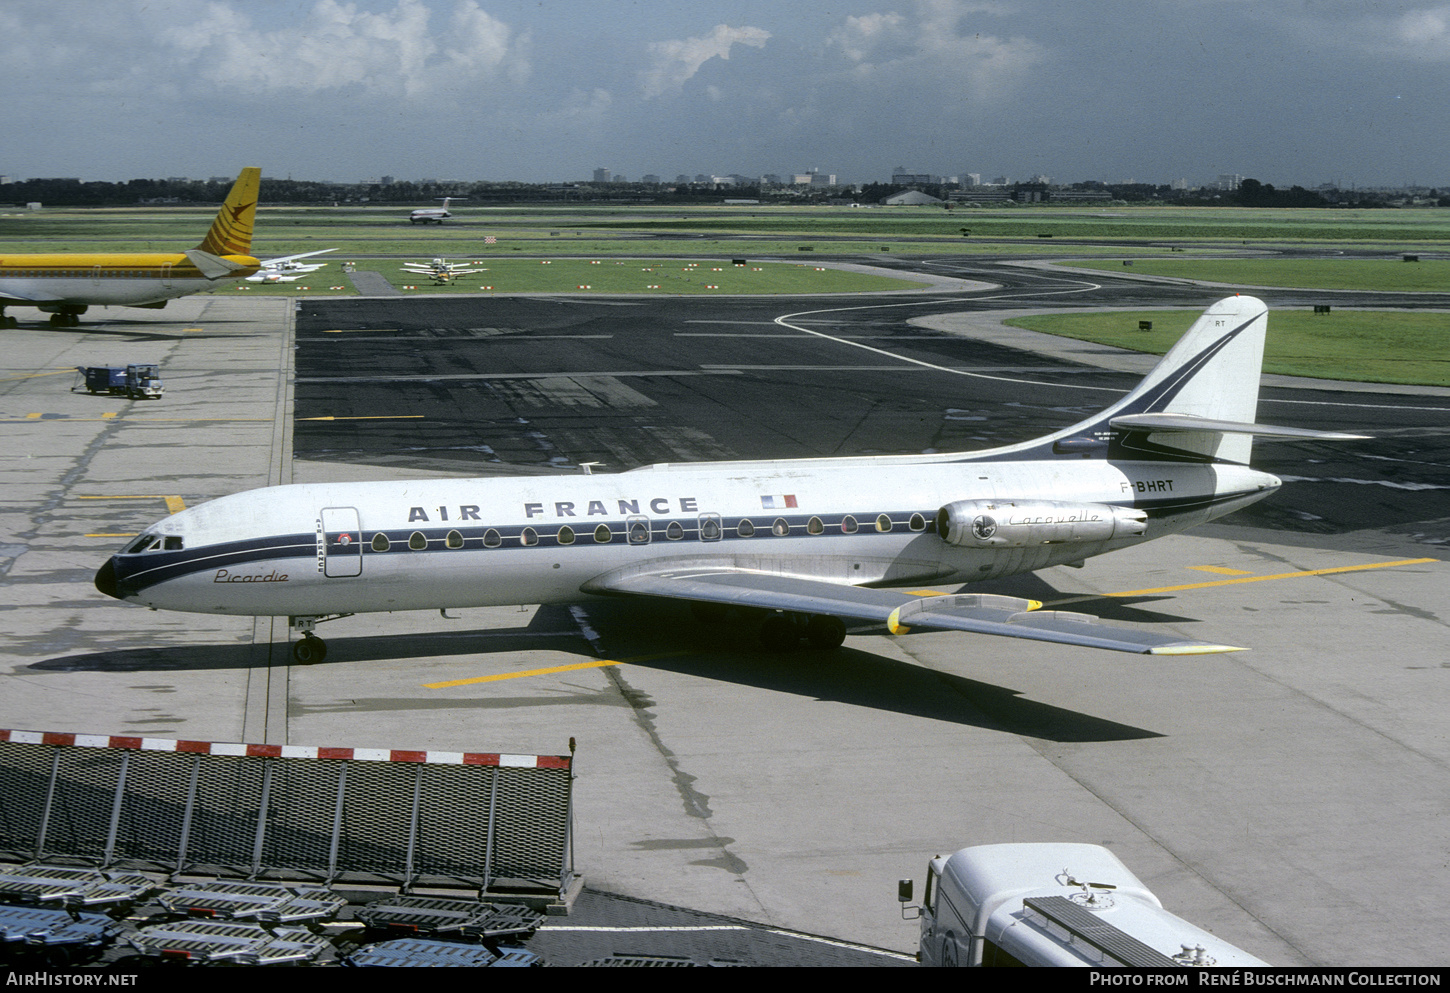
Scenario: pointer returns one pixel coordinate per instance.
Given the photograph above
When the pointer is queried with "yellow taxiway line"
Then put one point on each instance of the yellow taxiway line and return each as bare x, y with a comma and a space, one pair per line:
1244, 579
571, 667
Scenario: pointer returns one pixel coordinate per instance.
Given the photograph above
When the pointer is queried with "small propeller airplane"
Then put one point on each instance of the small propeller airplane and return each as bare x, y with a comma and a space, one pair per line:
804, 544
288, 268
436, 215
440, 270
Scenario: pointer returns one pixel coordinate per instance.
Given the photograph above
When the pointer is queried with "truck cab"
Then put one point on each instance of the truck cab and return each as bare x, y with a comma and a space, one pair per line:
1053, 905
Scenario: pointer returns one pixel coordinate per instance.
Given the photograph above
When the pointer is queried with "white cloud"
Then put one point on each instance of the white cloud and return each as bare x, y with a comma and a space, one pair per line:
936, 47
336, 46
678, 60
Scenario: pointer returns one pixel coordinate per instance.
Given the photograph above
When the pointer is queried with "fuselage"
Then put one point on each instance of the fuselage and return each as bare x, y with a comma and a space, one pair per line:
116, 279
319, 549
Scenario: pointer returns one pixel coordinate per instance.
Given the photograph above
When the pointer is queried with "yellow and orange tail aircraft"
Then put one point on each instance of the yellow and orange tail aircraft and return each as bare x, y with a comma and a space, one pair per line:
65, 285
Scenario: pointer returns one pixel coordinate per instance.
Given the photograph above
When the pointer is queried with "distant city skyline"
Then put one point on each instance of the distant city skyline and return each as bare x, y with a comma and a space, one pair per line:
1337, 91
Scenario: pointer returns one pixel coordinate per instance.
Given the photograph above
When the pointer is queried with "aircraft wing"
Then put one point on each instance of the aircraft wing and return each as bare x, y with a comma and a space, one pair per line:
900, 612
294, 258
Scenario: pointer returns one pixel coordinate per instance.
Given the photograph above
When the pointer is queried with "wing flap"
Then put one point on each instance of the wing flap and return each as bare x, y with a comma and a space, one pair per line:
901, 612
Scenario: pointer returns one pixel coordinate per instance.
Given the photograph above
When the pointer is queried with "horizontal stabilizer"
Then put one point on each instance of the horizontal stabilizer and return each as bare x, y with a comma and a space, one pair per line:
1191, 422
901, 612
213, 266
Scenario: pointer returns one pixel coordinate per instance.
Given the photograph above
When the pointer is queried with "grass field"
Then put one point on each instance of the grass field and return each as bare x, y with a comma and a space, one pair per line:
585, 276
641, 248
1365, 346
1430, 275
630, 229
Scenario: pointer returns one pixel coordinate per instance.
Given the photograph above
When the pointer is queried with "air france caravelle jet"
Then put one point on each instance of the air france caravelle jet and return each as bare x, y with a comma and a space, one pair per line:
811, 543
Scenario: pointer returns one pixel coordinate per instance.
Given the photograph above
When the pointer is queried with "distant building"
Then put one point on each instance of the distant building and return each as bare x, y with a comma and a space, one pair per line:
910, 198
601, 175
813, 177
1228, 181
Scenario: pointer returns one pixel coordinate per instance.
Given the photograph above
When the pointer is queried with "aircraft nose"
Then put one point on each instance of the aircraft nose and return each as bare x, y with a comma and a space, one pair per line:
106, 579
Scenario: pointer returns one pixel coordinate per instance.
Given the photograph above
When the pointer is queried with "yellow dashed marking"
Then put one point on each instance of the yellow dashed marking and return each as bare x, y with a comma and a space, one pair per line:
174, 504
367, 417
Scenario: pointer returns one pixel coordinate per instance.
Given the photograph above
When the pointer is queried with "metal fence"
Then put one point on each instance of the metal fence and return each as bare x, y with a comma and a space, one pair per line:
476, 819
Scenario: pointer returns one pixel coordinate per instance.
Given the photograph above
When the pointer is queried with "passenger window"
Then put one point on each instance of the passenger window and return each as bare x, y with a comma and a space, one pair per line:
566, 535
529, 537
417, 542
814, 525
674, 531
380, 542
917, 523
780, 528
454, 539
638, 531
602, 534
709, 527
492, 539
745, 529
883, 524
849, 525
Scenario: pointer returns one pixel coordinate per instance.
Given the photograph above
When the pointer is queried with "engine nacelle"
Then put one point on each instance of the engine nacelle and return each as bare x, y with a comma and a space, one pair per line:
1018, 523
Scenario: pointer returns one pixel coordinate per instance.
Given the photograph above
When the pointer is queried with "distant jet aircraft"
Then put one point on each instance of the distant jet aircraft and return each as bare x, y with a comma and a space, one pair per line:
64, 286
435, 214
440, 270
287, 268
811, 543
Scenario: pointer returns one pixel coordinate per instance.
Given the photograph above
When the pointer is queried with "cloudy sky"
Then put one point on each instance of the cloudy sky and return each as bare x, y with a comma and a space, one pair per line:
1285, 91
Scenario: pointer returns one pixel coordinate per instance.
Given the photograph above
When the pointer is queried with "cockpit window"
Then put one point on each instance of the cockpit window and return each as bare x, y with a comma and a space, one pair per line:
154, 543
139, 544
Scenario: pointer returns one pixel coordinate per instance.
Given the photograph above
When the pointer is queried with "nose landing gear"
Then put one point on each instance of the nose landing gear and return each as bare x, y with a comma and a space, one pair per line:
309, 649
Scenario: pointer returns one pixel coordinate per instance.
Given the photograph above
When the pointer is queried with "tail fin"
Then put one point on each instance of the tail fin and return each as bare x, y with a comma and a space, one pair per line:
1211, 373
231, 232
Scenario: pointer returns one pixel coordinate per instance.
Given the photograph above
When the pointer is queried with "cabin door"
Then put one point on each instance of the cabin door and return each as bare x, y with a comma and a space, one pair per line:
341, 542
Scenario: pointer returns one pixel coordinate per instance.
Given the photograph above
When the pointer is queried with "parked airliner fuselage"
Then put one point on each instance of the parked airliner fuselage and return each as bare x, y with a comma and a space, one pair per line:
477, 542
810, 543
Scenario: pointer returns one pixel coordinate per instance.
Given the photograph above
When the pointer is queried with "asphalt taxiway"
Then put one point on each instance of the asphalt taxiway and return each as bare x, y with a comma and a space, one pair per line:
1290, 798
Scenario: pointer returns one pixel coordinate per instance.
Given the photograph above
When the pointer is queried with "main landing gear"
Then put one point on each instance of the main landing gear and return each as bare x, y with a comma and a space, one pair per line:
309, 648
67, 317
783, 631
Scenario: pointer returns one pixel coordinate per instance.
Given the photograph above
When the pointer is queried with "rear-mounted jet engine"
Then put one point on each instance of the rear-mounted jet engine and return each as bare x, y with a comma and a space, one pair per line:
1018, 523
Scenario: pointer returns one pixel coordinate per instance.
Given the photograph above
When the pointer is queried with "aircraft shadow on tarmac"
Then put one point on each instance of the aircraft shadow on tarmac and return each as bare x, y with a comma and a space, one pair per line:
666, 638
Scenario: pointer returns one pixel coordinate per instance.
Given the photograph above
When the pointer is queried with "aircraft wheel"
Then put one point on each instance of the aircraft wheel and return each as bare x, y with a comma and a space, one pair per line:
825, 631
779, 633
57, 320
309, 650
